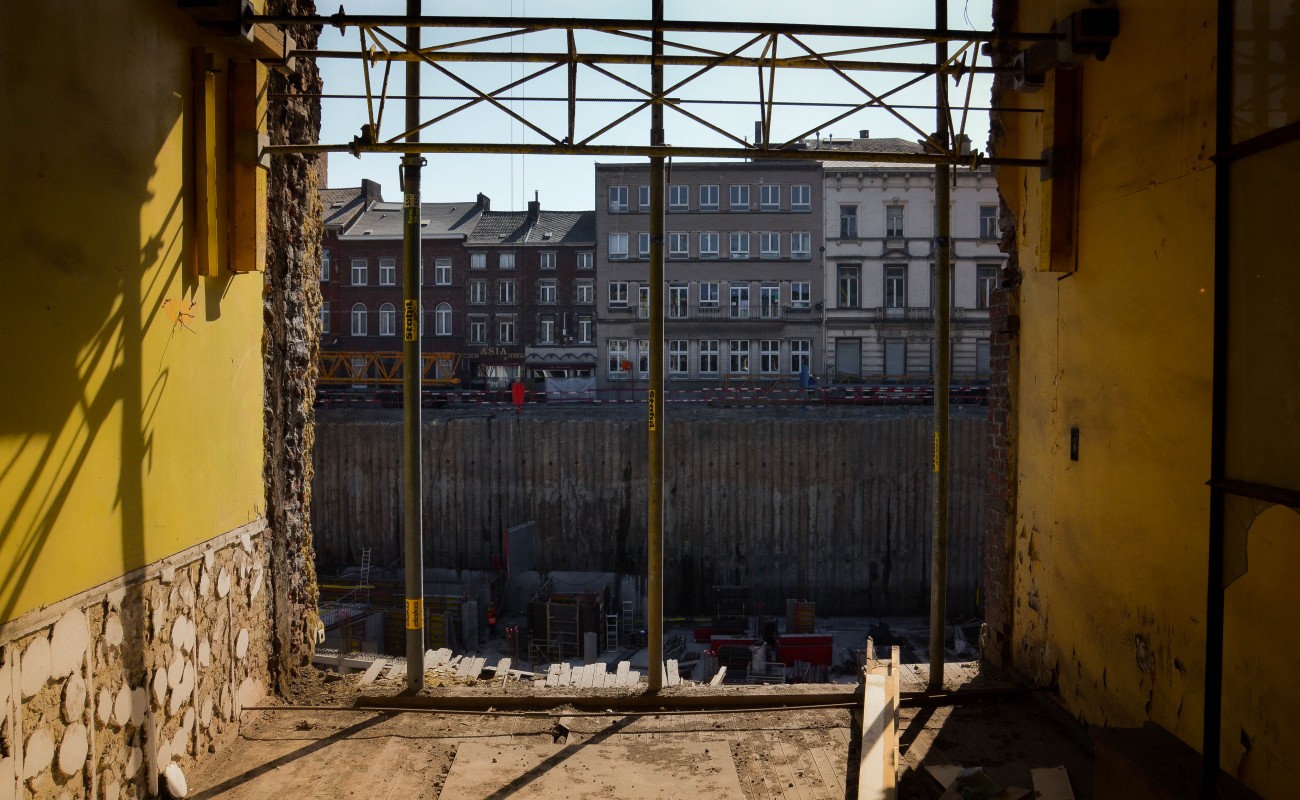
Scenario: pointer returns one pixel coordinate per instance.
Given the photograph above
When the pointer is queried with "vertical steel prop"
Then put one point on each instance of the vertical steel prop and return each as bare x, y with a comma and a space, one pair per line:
655, 389
412, 371
942, 367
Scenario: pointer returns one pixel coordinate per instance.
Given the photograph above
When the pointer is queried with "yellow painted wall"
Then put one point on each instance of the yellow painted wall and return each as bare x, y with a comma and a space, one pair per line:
125, 436
1111, 550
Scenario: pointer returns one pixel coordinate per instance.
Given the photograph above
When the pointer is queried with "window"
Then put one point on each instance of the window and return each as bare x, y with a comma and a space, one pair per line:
893, 221
478, 260
708, 198
643, 302
359, 369
387, 320
325, 317
709, 245
643, 245
506, 291
769, 356
800, 294
422, 319
360, 326
617, 199
848, 285
740, 301
617, 246
709, 294
618, 294
678, 358
982, 357
478, 330
585, 260
387, 272
506, 261
679, 197
442, 272
359, 272
442, 320
740, 244
506, 330
769, 300
740, 197
584, 293
848, 222
989, 222
546, 261
895, 288
769, 197
800, 244
584, 329
324, 265
708, 357
618, 363
643, 198
679, 245
678, 299
801, 197
546, 330
800, 355
769, 244
642, 358
478, 292
546, 292
738, 351
986, 280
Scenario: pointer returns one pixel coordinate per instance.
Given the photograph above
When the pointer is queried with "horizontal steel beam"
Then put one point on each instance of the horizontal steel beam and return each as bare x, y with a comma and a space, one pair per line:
613, 703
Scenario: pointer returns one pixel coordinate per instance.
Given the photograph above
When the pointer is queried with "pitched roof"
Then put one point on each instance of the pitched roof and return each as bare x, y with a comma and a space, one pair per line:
552, 227
341, 205
383, 220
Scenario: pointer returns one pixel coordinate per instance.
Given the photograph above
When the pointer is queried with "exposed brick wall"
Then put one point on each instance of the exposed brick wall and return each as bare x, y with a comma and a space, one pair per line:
292, 312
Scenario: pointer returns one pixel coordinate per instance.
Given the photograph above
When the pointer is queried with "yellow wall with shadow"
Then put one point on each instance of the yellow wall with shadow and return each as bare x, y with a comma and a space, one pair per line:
131, 422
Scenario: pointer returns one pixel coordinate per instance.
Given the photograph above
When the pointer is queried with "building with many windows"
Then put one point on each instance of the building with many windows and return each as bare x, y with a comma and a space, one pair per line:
742, 267
879, 267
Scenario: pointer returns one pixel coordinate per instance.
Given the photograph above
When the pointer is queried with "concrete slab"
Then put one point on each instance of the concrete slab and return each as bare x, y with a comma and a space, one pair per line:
629, 770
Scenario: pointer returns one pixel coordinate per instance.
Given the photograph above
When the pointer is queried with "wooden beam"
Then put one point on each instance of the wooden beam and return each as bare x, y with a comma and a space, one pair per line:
246, 201
1063, 150
204, 111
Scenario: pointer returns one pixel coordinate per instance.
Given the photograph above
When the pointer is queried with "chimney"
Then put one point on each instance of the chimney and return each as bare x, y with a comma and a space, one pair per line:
484, 202
864, 134
371, 191
534, 209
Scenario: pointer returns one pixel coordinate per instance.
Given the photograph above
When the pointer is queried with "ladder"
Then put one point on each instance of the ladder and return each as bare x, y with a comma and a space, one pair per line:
365, 573
627, 617
611, 633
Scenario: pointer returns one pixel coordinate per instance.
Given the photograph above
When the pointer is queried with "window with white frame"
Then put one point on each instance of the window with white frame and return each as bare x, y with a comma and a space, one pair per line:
679, 245
618, 294
442, 320
585, 260
989, 222
478, 330
324, 265
848, 221
546, 291
506, 261
643, 302
739, 244
738, 356
617, 246
546, 260
359, 270
986, 281
709, 244
800, 355
895, 288
478, 292
769, 244
360, 323
360, 368
893, 221
442, 272
848, 277
617, 199
387, 272
708, 359
708, 198
739, 200
643, 245
679, 197
678, 358
618, 364
769, 356
678, 300
642, 358
800, 244
506, 291
769, 300
739, 301
769, 197
506, 330
546, 329
709, 294
478, 260
584, 293
387, 320
800, 294
584, 329
801, 197
325, 317
643, 198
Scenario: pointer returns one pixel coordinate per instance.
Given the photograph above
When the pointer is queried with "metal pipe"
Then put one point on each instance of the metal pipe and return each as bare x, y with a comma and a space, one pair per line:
655, 389
412, 479
942, 374
641, 701
560, 706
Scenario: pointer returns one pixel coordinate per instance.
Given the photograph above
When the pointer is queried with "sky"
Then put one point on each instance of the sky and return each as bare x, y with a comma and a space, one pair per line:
566, 182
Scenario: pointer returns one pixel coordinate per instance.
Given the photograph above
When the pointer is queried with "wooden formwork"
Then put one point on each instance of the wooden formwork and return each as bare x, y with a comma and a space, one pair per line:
878, 755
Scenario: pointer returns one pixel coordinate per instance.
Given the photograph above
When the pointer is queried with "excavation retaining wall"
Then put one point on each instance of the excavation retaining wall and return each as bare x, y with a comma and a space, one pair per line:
831, 506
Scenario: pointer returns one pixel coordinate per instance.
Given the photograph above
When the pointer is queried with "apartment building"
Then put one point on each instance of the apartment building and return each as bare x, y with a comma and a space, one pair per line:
743, 273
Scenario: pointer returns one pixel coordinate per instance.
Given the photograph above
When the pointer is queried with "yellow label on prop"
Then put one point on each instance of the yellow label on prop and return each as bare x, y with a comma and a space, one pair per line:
936, 451
654, 408
410, 323
410, 200
414, 615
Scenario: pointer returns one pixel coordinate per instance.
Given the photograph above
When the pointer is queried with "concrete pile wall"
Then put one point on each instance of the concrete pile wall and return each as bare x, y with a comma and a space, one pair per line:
831, 508
100, 692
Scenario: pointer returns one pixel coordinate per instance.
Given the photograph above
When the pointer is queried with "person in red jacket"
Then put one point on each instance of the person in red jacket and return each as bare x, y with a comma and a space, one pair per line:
492, 621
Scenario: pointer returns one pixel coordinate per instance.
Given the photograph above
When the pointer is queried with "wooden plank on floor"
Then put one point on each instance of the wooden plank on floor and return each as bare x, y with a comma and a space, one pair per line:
945, 774
832, 778
783, 772
872, 760
372, 672
398, 669
1052, 783
441, 656
719, 677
